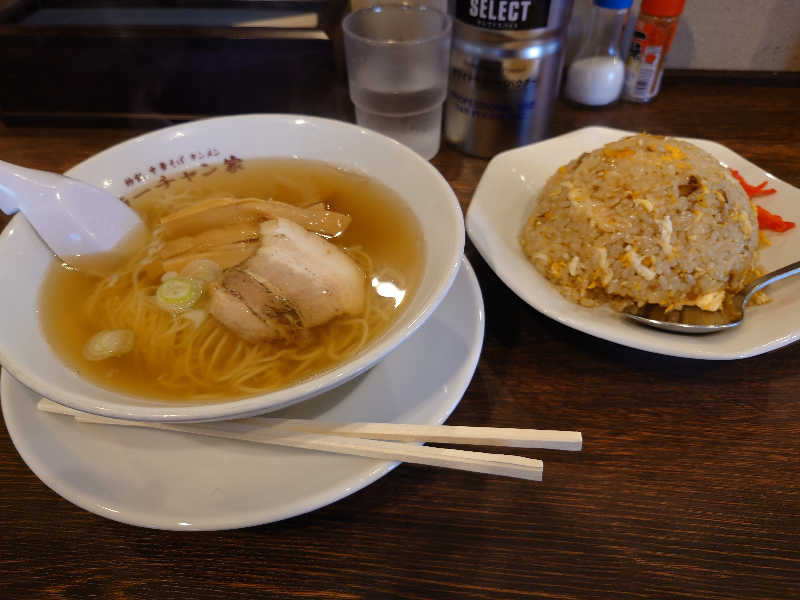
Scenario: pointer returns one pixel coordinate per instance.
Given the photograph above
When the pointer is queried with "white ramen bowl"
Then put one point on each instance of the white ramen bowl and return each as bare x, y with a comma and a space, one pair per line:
24, 259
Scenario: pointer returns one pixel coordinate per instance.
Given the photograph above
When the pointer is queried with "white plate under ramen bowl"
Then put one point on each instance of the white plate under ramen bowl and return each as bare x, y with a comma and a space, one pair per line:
504, 199
24, 259
184, 482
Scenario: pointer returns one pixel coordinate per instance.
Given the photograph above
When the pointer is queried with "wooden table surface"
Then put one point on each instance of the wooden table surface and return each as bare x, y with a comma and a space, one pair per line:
687, 486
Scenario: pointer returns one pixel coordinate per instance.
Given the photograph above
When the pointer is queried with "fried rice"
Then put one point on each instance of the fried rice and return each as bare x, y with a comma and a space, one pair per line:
644, 220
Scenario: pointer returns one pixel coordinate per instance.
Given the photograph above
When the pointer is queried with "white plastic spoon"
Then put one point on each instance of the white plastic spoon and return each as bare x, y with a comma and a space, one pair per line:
84, 226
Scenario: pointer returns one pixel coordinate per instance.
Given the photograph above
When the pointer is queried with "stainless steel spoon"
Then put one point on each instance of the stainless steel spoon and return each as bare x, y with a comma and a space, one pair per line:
693, 320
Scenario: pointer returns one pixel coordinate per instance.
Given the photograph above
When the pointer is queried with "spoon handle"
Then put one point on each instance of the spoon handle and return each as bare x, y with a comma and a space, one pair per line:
75, 219
20, 183
769, 278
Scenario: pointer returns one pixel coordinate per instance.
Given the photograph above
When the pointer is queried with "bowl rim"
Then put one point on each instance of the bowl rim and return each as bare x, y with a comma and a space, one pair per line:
161, 410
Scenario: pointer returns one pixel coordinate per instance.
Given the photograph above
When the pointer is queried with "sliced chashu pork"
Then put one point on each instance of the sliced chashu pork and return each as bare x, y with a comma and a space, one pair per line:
295, 279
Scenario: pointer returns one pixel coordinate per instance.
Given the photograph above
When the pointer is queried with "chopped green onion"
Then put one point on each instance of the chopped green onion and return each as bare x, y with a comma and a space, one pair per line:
108, 343
203, 269
179, 294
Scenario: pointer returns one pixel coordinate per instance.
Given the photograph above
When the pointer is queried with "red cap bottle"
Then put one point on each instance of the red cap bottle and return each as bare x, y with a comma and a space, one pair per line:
652, 39
662, 8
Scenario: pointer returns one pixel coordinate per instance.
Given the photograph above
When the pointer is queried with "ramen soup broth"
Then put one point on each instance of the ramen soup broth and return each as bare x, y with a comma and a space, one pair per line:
383, 237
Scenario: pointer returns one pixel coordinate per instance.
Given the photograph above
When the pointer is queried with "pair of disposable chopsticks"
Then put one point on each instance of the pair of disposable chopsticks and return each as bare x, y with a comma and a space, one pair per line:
373, 440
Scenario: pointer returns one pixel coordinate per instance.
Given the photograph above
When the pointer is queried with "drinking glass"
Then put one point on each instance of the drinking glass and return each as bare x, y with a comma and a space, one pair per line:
397, 66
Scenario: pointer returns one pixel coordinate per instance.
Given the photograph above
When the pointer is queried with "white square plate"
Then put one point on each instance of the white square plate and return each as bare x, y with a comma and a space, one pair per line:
504, 199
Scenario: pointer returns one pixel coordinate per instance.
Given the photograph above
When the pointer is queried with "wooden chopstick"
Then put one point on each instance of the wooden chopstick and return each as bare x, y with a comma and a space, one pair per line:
443, 434
328, 437
496, 464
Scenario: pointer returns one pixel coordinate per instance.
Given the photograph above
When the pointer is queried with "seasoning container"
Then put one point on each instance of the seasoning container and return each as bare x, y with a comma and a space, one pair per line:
505, 70
596, 76
652, 39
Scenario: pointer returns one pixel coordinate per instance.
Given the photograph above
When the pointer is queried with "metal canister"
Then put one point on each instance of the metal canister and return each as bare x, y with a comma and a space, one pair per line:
505, 70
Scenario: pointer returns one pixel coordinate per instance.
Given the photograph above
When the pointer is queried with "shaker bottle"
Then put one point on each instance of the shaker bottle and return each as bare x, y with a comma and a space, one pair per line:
596, 76
652, 39
505, 71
